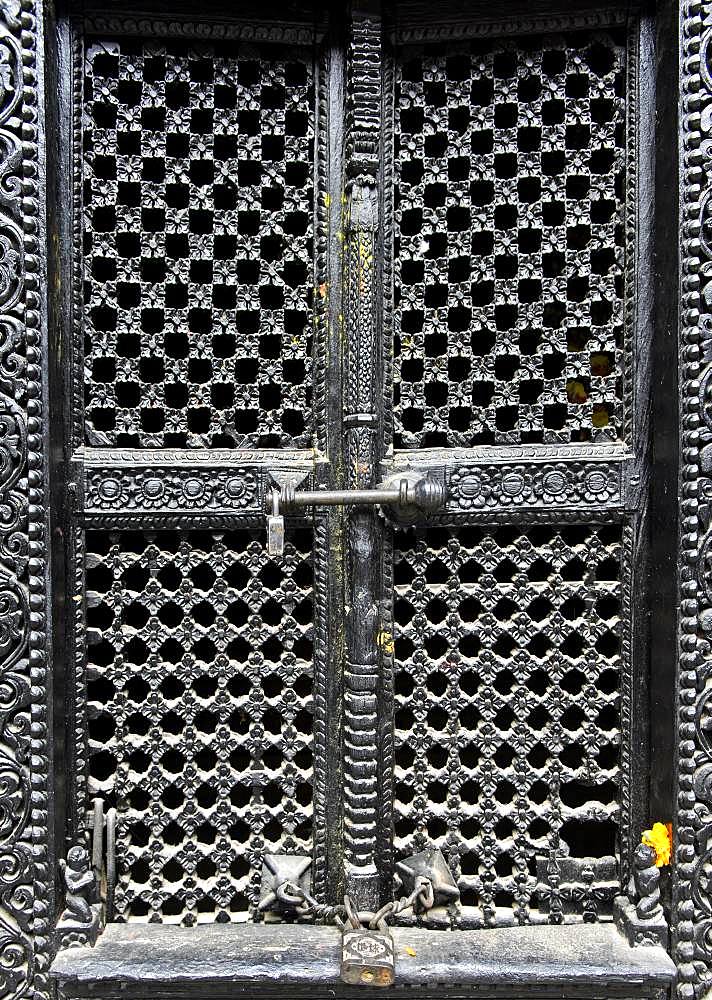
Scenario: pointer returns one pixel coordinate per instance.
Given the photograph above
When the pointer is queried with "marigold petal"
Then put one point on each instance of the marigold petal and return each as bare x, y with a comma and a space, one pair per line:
659, 839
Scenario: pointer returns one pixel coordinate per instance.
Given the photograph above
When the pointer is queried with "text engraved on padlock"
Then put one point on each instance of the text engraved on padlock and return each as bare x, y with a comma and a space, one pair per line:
367, 958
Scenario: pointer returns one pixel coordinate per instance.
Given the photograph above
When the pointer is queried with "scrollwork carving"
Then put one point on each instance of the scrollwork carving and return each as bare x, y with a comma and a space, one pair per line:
25, 946
10, 265
692, 884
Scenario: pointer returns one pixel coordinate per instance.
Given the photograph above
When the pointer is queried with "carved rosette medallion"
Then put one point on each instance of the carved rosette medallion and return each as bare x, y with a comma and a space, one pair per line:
195, 491
492, 487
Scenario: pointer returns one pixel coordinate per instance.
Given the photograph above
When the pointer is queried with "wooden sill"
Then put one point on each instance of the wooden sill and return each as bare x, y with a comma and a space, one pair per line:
236, 960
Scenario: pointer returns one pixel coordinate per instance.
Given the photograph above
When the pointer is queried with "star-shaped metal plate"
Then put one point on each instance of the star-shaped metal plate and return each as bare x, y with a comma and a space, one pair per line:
278, 869
429, 864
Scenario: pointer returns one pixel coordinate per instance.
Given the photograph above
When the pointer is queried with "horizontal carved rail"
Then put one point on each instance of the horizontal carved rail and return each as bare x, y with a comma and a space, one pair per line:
535, 482
164, 487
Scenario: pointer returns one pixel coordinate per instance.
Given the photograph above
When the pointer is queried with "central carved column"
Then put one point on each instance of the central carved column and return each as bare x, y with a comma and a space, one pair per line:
361, 422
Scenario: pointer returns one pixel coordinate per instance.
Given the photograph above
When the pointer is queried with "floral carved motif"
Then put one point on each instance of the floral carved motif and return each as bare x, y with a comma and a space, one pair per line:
693, 887
514, 486
25, 906
191, 490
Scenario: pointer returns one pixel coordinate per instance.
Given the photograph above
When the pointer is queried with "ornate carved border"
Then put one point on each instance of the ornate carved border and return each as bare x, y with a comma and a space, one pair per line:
26, 907
692, 916
518, 487
180, 486
582, 481
473, 27
164, 27
210, 30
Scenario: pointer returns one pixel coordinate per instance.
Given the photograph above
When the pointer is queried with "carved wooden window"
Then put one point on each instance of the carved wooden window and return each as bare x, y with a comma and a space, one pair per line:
507, 722
202, 713
271, 285
198, 236
514, 378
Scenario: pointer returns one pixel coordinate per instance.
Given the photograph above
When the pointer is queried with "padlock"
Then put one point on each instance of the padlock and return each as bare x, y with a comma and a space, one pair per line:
367, 958
275, 528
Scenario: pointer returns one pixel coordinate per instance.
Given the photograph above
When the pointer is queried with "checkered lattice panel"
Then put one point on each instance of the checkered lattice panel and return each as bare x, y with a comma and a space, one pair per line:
197, 161
510, 241
507, 728
200, 714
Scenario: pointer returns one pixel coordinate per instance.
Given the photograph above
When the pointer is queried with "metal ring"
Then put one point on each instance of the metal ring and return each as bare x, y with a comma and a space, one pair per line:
338, 915
426, 895
294, 897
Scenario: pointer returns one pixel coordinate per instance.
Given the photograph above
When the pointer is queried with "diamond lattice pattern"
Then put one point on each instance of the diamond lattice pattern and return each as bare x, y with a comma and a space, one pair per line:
507, 711
200, 714
197, 161
510, 241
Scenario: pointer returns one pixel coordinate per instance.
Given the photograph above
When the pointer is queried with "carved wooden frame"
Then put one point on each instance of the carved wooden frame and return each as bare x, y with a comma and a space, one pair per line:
692, 904
26, 849
108, 487
26, 825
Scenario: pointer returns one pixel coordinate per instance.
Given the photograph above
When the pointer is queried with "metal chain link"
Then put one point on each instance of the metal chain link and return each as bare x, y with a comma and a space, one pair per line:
420, 900
305, 905
296, 898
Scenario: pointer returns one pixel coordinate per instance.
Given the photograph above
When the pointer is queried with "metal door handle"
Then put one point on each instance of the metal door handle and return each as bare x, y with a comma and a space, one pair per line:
407, 494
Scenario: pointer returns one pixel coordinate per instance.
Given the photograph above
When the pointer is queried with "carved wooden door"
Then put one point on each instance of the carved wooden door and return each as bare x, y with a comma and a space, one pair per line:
319, 255
203, 374
509, 334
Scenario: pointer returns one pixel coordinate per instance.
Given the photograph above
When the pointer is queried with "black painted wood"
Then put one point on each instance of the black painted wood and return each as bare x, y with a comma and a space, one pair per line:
581, 961
582, 473
45, 660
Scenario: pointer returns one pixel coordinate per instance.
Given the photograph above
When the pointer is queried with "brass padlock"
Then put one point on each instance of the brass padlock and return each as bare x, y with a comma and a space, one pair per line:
367, 958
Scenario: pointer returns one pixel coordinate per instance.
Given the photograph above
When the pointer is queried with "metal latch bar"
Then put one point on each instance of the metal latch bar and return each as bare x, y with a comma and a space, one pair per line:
407, 492
408, 495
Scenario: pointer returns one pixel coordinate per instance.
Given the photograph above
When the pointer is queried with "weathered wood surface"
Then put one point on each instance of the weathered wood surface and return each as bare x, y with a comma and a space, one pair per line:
561, 961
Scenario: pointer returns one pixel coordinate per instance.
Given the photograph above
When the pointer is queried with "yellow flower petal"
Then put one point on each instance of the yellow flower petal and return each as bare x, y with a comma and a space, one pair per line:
660, 840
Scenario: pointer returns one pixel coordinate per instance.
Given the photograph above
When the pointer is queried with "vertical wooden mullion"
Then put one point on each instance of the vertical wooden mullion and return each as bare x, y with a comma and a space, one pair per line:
362, 395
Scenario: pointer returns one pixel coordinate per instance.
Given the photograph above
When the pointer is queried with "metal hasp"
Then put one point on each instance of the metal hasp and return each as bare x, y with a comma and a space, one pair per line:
275, 528
405, 496
408, 495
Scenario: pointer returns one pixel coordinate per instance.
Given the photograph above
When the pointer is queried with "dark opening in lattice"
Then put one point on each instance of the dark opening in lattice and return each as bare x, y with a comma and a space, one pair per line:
507, 645
197, 162
510, 241
200, 713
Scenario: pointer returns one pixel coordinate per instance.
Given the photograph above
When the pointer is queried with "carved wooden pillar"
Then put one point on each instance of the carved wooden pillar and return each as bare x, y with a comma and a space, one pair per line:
361, 674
